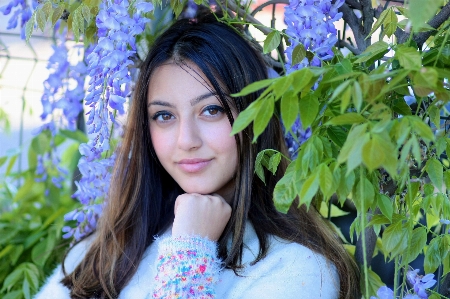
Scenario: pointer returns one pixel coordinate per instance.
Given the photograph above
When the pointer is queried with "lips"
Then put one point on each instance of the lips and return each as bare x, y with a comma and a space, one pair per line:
193, 165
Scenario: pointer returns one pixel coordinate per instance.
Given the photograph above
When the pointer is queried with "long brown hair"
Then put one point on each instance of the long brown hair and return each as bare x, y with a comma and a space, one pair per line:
142, 194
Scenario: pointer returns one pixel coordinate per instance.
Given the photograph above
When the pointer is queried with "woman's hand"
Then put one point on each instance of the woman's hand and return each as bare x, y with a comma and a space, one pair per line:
200, 215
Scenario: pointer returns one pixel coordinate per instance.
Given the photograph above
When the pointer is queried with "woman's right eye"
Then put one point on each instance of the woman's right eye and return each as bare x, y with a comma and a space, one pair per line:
162, 116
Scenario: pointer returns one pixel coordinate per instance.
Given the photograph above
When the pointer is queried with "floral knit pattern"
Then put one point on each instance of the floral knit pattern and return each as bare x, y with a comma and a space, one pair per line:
187, 267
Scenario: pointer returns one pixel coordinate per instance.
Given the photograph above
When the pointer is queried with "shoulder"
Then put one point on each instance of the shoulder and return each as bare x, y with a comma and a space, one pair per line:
289, 270
77, 253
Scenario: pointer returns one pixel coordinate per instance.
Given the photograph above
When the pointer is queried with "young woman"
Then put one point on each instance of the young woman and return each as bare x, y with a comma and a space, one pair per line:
180, 176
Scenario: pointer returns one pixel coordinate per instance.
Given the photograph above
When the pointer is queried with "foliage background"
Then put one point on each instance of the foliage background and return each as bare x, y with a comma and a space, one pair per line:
378, 147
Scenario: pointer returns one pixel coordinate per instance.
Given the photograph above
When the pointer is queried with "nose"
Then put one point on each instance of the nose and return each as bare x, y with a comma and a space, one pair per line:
189, 137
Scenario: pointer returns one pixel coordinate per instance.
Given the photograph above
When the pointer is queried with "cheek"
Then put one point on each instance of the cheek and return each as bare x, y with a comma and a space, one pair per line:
160, 143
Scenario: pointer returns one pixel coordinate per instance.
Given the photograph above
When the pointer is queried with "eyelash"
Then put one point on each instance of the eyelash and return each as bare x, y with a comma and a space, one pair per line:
208, 108
214, 107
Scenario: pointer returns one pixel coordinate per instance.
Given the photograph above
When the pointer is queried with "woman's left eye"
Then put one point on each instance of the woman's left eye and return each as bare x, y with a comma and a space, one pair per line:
212, 110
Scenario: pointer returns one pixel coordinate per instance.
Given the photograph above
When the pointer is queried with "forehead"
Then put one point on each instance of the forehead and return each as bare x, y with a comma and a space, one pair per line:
177, 79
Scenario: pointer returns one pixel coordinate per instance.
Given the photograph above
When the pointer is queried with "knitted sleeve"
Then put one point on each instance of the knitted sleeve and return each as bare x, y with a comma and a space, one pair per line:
187, 267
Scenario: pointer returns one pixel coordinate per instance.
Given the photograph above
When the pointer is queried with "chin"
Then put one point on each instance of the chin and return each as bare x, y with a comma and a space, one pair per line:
199, 190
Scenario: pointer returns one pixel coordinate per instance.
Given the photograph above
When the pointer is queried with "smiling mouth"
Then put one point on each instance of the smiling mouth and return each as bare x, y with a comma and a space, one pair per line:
193, 165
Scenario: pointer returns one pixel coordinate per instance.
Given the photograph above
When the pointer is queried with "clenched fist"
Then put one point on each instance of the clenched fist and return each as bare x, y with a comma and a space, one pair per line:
200, 215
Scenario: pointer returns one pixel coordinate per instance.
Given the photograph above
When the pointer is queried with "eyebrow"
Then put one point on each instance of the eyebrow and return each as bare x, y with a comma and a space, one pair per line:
194, 101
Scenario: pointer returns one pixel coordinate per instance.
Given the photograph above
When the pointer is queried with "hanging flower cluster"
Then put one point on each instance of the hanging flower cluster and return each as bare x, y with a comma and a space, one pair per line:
418, 282
61, 103
310, 23
109, 86
22, 13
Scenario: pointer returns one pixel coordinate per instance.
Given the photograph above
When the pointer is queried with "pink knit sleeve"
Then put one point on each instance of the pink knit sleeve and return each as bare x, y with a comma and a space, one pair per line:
187, 267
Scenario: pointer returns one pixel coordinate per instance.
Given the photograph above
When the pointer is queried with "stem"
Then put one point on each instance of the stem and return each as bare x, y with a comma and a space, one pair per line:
396, 276
363, 233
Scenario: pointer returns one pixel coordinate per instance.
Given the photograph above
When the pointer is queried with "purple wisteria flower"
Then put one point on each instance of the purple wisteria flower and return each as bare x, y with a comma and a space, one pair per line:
63, 92
21, 13
300, 136
420, 283
384, 293
310, 22
118, 25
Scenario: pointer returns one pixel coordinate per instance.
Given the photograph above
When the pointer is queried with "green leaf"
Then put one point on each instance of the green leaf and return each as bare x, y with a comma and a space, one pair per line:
284, 192
379, 22
17, 294
395, 239
408, 57
272, 41
309, 189
340, 89
289, 109
447, 179
18, 250
378, 220
246, 117
309, 107
47, 8
32, 277
86, 13
373, 153
40, 18
57, 13
274, 161
327, 183
346, 119
364, 193
255, 86
375, 283
374, 51
435, 117
29, 27
26, 288
298, 54
177, 6
11, 163
75, 135
418, 242
345, 99
3, 160
420, 13
390, 23
337, 135
432, 256
422, 129
13, 277
344, 67
6, 250
385, 205
304, 79
435, 171
41, 143
263, 117
355, 135
282, 85
357, 96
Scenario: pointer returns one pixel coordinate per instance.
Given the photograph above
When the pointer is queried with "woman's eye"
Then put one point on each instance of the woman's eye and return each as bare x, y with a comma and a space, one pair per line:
162, 116
212, 110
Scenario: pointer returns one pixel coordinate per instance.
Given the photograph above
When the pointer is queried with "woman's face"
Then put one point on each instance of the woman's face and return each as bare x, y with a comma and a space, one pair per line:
190, 130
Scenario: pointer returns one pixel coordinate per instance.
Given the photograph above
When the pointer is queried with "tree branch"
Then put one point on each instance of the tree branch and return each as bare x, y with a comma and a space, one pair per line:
354, 4
344, 44
435, 22
367, 16
247, 17
352, 20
